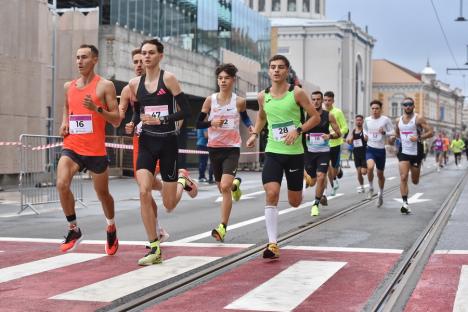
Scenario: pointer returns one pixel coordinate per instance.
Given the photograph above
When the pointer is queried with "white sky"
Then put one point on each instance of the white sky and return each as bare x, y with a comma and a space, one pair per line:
408, 33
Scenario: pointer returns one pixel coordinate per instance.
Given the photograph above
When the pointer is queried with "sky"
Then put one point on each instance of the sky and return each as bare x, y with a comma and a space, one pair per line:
408, 33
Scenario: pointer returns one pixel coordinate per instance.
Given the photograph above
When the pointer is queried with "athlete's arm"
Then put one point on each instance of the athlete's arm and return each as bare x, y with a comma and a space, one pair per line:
123, 104
350, 137
428, 132
389, 128
202, 123
259, 122
365, 131
242, 109
303, 99
63, 131
111, 115
333, 123
340, 118
173, 85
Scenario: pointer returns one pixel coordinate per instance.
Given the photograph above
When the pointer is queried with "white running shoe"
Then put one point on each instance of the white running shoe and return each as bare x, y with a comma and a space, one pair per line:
360, 189
405, 208
380, 199
370, 193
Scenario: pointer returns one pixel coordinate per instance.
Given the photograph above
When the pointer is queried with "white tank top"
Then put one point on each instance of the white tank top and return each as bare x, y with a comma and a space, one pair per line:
228, 134
406, 132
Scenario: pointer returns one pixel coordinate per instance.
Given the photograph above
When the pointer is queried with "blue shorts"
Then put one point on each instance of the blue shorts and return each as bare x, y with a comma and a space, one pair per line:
377, 155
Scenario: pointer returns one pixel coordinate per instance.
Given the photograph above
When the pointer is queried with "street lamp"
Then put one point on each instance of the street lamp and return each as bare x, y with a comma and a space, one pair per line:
461, 18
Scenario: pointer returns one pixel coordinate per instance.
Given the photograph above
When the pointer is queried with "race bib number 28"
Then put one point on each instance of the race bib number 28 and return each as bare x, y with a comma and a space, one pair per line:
281, 130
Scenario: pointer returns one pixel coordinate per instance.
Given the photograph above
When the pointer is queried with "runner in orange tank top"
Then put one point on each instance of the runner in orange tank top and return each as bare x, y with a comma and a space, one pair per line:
90, 102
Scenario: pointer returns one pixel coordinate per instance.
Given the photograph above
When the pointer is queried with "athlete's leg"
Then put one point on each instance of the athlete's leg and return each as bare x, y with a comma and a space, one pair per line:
415, 174
66, 169
225, 188
381, 177
145, 181
370, 172
404, 167
101, 186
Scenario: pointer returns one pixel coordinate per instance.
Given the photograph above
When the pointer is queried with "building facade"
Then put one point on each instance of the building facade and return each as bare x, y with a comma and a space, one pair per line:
441, 105
333, 55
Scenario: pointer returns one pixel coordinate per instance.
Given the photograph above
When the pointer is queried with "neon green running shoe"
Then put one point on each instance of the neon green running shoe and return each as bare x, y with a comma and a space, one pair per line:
236, 195
153, 257
315, 210
219, 233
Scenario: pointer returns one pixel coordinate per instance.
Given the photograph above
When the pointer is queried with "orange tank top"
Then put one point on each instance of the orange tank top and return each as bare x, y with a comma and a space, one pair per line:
87, 133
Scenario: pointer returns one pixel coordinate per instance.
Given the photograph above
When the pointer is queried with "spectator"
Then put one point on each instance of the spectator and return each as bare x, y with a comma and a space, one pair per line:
202, 141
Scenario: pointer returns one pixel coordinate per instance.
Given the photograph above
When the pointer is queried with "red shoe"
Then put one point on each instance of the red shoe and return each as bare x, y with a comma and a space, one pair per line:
72, 239
190, 185
112, 243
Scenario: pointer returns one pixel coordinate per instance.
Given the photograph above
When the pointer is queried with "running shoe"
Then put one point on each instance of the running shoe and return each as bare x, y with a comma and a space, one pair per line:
370, 193
112, 243
332, 191
336, 185
339, 174
202, 180
360, 189
324, 200
380, 199
219, 233
72, 239
315, 210
163, 235
405, 208
190, 186
308, 180
271, 251
152, 257
236, 195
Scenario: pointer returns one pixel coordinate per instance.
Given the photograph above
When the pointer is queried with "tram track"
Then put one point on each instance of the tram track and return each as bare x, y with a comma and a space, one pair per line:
161, 291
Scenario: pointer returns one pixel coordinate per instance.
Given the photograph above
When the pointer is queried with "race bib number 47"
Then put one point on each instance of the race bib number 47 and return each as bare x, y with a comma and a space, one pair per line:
80, 124
281, 130
157, 111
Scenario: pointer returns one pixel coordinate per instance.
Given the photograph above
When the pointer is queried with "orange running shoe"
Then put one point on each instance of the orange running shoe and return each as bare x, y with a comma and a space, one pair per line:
72, 239
112, 243
190, 185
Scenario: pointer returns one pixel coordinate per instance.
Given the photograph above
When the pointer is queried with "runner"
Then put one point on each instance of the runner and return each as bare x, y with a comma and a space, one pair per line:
126, 98
317, 156
225, 110
90, 102
157, 92
282, 106
412, 129
438, 147
356, 138
446, 147
334, 170
376, 128
457, 147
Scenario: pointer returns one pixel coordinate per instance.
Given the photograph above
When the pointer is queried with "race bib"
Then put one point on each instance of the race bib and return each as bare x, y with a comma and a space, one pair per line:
357, 143
280, 131
157, 111
408, 147
316, 140
228, 124
80, 124
375, 136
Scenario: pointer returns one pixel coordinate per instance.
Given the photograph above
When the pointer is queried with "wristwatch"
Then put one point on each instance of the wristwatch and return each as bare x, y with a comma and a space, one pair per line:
163, 120
299, 130
99, 109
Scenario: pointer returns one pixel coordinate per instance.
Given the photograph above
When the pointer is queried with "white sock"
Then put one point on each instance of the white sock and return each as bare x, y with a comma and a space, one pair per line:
381, 192
158, 228
110, 221
371, 185
271, 220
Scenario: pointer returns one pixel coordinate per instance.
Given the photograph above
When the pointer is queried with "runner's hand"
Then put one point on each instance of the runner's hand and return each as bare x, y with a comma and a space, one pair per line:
63, 131
129, 127
148, 120
290, 137
217, 122
251, 140
89, 104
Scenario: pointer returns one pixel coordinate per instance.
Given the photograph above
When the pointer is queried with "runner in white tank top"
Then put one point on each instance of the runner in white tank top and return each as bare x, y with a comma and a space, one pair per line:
225, 110
412, 129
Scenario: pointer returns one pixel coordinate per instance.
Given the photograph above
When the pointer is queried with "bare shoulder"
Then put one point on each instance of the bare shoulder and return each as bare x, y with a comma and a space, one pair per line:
168, 77
133, 83
240, 100
67, 85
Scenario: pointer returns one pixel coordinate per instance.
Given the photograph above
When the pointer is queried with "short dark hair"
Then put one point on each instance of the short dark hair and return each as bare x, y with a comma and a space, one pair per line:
94, 50
156, 42
329, 94
359, 116
317, 92
279, 57
376, 102
136, 51
408, 99
228, 68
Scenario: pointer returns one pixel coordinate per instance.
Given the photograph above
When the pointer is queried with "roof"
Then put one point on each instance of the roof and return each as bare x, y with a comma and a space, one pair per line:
385, 71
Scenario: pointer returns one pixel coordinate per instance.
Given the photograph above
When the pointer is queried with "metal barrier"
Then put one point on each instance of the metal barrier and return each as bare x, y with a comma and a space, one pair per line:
39, 155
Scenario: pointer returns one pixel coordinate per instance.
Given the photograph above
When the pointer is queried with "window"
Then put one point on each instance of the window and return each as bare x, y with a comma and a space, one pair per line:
317, 6
394, 109
251, 4
261, 5
292, 5
283, 50
305, 5
276, 5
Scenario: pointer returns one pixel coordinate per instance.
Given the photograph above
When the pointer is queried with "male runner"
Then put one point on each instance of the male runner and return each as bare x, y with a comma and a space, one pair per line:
356, 138
317, 156
157, 92
438, 148
225, 110
412, 129
376, 128
90, 102
334, 170
282, 106
457, 147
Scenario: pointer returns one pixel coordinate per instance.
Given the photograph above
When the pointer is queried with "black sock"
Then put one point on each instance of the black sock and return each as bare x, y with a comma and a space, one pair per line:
71, 218
225, 226
317, 200
405, 198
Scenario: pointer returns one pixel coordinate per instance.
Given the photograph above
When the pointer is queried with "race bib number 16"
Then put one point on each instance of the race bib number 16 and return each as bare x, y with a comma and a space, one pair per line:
80, 124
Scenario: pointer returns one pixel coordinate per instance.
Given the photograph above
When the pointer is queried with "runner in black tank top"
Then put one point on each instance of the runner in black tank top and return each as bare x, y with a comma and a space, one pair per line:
356, 138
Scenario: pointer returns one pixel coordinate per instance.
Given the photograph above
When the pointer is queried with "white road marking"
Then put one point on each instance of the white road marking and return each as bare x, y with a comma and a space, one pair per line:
125, 284
43, 265
461, 298
243, 197
414, 199
391, 178
288, 289
343, 249
250, 221
451, 252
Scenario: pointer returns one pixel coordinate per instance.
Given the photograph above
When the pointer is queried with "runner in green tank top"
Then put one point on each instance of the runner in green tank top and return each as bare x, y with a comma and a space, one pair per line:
282, 106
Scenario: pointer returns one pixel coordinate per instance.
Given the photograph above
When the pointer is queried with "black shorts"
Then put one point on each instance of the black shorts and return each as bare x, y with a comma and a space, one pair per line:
95, 164
316, 162
414, 160
335, 156
165, 149
360, 158
291, 165
224, 161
